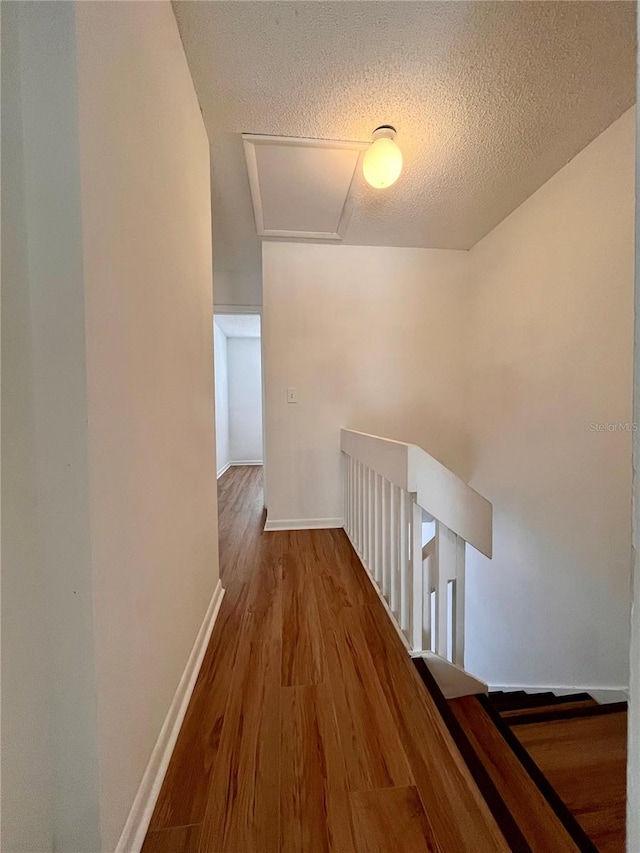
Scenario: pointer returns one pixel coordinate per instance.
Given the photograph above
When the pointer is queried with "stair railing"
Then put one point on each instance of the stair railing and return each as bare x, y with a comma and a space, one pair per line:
408, 518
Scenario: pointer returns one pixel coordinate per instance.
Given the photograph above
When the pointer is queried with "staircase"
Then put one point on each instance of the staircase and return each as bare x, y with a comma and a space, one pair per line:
552, 769
577, 749
552, 765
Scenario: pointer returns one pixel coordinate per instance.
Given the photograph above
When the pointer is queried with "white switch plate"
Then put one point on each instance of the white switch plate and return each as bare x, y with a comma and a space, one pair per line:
292, 395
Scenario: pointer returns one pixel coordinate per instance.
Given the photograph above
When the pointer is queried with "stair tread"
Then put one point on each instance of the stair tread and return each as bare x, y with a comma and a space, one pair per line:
554, 713
520, 699
543, 709
537, 820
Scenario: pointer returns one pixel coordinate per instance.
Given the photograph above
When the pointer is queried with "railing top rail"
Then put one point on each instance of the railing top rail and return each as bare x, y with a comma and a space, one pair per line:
438, 490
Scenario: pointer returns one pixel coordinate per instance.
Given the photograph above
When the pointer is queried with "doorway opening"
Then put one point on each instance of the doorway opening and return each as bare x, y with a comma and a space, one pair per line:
238, 390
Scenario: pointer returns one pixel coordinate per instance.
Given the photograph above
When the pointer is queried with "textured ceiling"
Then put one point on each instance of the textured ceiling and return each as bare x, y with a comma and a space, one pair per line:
489, 99
239, 325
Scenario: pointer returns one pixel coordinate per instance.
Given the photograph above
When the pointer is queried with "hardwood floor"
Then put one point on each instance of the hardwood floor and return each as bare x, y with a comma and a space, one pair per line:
309, 728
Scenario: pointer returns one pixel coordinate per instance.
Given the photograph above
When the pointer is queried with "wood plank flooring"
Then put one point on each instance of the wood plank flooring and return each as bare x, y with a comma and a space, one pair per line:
309, 728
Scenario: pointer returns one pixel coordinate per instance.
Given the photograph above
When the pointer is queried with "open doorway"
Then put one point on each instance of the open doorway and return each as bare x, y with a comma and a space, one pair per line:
238, 382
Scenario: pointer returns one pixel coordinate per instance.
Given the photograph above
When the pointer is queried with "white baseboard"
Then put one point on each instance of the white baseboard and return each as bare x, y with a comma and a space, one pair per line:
603, 695
137, 824
236, 464
302, 523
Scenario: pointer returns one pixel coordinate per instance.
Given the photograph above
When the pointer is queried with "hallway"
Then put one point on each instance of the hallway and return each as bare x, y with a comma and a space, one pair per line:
309, 728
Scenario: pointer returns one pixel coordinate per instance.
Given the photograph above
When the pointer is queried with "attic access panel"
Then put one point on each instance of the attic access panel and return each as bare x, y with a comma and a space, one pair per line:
300, 187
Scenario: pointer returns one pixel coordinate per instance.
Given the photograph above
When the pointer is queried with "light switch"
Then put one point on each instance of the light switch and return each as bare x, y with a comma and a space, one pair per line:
292, 395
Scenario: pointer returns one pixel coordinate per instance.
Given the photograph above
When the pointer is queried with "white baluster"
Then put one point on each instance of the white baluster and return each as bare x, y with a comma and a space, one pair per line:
385, 536
352, 507
360, 509
369, 518
388, 533
371, 487
417, 578
345, 490
428, 574
354, 498
434, 614
365, 515
446, 557
394, 586
377, 573
405, 561
354, 502
458, 604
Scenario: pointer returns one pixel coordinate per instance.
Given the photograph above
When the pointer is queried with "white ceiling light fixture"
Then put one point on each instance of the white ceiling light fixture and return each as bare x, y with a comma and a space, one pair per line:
382, 164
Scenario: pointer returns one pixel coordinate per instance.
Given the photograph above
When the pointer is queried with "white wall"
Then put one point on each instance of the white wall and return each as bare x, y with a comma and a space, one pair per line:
551, 354
372, 339
147, 265
244, 359
222, 398
111, 443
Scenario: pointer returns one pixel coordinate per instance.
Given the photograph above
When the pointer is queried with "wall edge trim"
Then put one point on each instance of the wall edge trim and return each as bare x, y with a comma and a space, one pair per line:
237, 309
223, 470
139, 818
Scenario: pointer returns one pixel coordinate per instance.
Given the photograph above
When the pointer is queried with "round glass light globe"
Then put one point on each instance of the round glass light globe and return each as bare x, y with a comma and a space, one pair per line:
382, 163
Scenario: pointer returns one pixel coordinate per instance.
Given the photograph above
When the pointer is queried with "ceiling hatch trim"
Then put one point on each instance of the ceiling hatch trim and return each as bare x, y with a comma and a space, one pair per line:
316, 191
